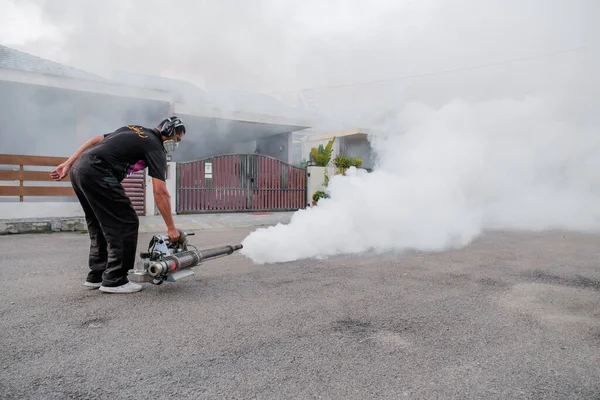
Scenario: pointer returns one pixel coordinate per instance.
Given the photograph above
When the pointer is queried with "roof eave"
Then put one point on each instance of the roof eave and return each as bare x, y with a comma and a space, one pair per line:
217, 113
112, 89
80, 85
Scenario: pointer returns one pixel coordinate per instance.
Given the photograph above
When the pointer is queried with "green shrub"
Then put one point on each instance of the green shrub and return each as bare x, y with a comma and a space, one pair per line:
319, 194
343, 163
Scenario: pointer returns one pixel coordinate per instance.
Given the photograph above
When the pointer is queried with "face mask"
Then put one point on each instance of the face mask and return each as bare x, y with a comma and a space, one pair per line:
170, 146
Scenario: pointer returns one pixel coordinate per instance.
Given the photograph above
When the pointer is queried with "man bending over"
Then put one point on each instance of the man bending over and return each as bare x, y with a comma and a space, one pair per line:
96, 170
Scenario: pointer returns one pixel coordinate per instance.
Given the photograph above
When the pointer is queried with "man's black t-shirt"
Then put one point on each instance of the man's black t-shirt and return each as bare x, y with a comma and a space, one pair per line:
130, 149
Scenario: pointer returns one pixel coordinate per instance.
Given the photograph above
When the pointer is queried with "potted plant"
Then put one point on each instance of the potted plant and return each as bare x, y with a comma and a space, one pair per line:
319, 194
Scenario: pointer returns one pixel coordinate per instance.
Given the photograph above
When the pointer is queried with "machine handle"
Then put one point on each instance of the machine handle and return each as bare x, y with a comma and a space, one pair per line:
182, 234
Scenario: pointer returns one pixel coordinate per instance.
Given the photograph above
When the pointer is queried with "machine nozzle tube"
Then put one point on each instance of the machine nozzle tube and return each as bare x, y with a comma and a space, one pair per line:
187, 259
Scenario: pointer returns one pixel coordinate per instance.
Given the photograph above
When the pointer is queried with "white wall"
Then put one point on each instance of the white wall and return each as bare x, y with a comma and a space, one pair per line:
17, 210
277, 146
316, 180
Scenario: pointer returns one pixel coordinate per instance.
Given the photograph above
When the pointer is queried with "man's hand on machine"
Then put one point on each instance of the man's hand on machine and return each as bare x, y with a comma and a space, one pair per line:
174, 235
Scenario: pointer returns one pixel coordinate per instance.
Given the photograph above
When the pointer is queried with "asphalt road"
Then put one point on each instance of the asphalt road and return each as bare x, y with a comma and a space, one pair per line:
513, 316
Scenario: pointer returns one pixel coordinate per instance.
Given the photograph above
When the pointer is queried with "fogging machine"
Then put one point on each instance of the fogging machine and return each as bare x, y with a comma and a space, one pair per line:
167, 261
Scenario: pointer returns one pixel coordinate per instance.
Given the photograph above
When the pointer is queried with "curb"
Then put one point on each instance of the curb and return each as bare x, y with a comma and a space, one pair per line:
42, 225
78, 224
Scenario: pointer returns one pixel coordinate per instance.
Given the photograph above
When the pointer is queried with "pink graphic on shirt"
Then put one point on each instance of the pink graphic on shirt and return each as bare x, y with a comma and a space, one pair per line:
138, 166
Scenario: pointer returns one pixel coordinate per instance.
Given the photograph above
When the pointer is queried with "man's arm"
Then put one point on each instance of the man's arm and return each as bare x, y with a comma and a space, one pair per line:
163, 202
91, 142
63, 169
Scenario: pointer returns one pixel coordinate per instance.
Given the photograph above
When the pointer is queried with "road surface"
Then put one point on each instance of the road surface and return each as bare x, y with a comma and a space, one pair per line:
511, 316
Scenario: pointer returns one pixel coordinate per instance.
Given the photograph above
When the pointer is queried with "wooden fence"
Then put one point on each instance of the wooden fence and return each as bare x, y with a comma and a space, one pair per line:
31, 176
135, 185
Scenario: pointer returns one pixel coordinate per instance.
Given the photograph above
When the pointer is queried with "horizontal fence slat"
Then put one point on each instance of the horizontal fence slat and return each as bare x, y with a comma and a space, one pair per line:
36, 191
27, 176
13, 159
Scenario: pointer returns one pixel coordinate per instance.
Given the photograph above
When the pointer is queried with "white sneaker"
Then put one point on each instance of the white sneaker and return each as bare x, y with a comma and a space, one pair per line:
93, 285
129, 287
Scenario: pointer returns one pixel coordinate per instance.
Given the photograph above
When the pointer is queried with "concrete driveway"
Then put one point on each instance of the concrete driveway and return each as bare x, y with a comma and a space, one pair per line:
513, 316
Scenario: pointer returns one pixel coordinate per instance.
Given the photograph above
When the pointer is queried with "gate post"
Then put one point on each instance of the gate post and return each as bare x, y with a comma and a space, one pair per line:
151, 207
172, 184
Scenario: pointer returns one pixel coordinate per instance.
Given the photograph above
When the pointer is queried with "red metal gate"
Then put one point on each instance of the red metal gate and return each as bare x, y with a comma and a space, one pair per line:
239, 182
135, 188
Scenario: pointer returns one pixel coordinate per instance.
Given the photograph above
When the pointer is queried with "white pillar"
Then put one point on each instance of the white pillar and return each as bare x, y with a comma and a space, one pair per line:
172, 185
151, 208
150, 205
316, 180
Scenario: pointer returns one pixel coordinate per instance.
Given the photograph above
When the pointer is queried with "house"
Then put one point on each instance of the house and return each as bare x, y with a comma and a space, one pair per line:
49, 109
350, 143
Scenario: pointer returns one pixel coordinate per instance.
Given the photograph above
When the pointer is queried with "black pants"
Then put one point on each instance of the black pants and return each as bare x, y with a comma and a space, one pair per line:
111, 220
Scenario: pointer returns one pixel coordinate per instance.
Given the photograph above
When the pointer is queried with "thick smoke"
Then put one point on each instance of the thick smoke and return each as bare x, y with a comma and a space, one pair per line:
444, 176
509, 146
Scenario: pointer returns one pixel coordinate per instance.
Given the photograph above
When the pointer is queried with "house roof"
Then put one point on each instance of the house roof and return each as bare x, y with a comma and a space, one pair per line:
212, 102
21, 61
260, 103
211, 95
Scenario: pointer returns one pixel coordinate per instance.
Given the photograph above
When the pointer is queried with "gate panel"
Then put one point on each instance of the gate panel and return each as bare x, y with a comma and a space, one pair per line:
135, 188
239, 182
